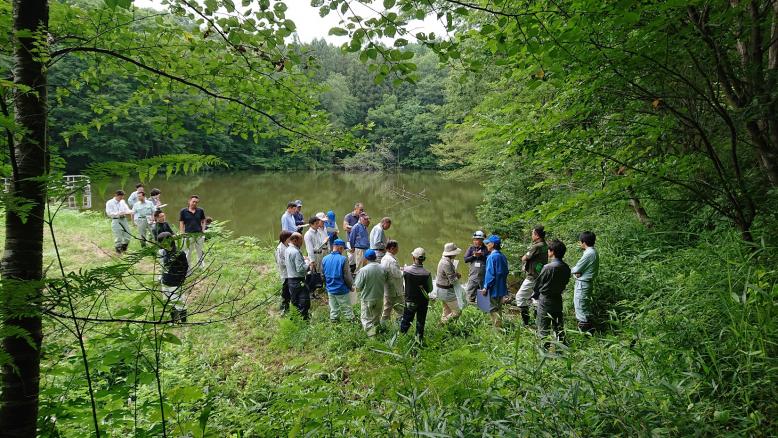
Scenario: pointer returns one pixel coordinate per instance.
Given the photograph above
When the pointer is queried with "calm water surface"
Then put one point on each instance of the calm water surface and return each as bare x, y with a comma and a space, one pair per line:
426, 209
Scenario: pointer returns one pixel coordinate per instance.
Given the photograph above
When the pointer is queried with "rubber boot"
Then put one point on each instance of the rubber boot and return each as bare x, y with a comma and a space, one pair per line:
525, 315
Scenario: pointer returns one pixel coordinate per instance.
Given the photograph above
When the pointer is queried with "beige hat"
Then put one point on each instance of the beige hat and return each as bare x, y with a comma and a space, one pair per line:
322, 216
450, 249
419, 252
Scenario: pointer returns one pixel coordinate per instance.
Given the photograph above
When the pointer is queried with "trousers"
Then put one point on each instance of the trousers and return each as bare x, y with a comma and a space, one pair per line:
300, 296
415, 309
524, 294
550, 316
194, 244
144, 230
371, 315
340, 304
286, 297
392, 303
582, 300
121, 231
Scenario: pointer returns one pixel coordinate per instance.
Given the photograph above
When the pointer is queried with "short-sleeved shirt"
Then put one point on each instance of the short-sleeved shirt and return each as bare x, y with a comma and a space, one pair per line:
192, 221
351, 219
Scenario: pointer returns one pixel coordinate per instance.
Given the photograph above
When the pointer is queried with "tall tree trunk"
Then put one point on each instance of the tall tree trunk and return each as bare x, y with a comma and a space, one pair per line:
22, 264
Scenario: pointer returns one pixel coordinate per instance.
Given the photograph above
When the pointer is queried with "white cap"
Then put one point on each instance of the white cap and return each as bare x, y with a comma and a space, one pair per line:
418, 252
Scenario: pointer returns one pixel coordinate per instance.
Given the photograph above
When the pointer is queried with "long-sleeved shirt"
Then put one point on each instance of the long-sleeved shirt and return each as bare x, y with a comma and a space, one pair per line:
377, 237
359, 237
295, 263
370, 282
160, 227
143, 210
447, 273
287, 222
116, 209
314, 242
552, 279
537, 257
132, 198
418, 283
496, 276
588, 265
281, 260
477, 263
394, 275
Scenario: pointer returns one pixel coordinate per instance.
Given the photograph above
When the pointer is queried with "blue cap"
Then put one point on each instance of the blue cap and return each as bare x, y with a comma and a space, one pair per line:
339, 242
331, 215
495, 239
370, 254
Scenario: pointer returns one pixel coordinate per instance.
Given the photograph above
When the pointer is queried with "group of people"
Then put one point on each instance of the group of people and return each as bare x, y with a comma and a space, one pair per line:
150, 222
362, 266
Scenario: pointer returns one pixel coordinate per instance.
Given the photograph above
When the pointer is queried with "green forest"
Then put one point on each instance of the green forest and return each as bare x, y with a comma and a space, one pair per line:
652, 123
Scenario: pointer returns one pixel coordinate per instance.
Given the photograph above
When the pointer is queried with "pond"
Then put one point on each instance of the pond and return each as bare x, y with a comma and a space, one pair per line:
427, 210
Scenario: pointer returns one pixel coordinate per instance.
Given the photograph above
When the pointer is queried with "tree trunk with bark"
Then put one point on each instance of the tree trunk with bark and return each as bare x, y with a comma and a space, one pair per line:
22, 263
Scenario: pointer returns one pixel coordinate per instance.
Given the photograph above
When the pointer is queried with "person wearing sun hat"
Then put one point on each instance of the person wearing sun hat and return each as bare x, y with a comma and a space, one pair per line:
337, 276
418, 285
370, 285
447, 277
495, 278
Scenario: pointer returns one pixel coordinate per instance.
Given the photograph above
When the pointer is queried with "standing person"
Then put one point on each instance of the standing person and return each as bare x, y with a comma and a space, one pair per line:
287, 219
143, 212
295, 271
370, 285
339, 281
418, 285
360, 240
134, 195
331, 226
351, 219
378, 237
315, 243
299, 219
154, 197
548, 287
475, 256
585, 272
393, 289
447, 276
191, 221
283, 241
118, 211
495, 278
532, 264
174, 269
160, 225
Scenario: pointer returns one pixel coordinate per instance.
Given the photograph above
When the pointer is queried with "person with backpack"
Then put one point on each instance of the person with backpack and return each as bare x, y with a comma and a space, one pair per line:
174, 269
532, 263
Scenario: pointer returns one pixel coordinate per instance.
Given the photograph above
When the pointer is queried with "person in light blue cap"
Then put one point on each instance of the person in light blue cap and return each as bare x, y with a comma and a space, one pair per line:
331, 225
495, 278
370, 285
337, 276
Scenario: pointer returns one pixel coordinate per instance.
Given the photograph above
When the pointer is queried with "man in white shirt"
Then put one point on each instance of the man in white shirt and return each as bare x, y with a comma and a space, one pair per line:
143, 212
118, 211
134, 195
316, 243
394, 291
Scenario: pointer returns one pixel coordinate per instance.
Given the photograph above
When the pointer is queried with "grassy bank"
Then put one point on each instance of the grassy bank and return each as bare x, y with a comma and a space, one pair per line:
689, 349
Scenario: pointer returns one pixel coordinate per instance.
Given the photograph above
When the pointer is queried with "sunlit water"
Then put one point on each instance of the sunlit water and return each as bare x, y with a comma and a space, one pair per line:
427, 210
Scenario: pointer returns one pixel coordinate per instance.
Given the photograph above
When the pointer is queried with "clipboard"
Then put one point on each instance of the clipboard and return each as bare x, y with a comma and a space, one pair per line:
483, 301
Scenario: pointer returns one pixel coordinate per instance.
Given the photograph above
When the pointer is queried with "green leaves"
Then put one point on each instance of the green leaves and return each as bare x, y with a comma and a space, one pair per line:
338, 31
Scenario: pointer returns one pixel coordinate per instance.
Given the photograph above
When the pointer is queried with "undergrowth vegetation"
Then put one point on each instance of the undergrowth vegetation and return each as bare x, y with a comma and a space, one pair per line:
686, 347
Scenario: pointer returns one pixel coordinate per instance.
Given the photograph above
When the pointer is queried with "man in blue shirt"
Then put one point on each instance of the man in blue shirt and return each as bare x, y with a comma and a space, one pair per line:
299, 219
495, 278
287, 219
338, 281
585, 272
359, 238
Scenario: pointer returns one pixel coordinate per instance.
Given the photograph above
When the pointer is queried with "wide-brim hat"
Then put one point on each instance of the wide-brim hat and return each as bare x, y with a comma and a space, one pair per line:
451, 249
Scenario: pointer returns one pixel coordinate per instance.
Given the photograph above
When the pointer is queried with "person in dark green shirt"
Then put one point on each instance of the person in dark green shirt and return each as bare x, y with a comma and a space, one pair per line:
532, 262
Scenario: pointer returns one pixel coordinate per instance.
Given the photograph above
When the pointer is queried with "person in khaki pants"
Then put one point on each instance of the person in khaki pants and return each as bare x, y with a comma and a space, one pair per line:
446, 277
370, 285
394, 299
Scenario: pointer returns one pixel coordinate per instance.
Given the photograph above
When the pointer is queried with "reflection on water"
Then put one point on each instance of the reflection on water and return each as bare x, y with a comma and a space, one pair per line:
254, 202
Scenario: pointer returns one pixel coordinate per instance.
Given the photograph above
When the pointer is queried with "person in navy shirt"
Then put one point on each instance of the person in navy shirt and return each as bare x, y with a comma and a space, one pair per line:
359, 238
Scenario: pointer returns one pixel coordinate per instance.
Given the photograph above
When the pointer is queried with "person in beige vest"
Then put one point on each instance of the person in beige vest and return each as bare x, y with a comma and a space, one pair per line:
447, 276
